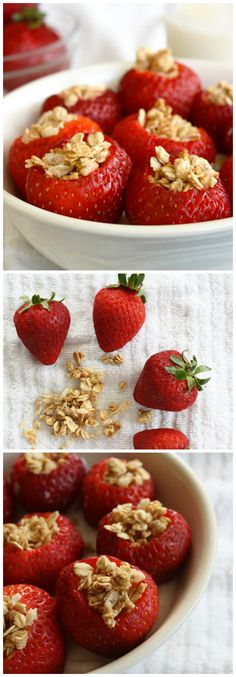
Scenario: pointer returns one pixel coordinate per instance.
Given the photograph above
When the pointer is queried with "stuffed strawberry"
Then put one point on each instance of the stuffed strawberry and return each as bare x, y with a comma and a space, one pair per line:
169, 190
160, 438
119, 312
42, 325
113, 481
38, 547
106, 605
96, 102
226, 175
141, 132
8, 501
54, 126
149, 536
156, 75
169, 381
47, 481
33, 642
84, 178
213, 110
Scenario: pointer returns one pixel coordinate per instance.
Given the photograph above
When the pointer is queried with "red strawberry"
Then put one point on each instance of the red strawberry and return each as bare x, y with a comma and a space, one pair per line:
97, 169
228, 138
38, 547
226, 175
213, 110
169, 381
47, 481
10, 8
119, 312
97, 103
8, 501
23, 148
141, 132
109, 633
161, 552
160, 438
42, 647
175, 190
42, 325
114, 481
157, 75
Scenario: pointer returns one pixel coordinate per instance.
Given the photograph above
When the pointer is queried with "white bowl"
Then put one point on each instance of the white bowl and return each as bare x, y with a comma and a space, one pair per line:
179, 488
76, 244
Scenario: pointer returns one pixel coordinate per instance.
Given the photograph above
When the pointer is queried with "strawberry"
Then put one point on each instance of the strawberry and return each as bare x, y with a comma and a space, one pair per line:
42, 325
226, 175
41, 646
85, 178
88, 594
141, 132
37, 140
97, 103
228, 138
47, 481
38, 547
160, 550
169, 381
213, 109
173, 190
8, 501
113, 481
157, 75
119, 312
160, 438
10, 8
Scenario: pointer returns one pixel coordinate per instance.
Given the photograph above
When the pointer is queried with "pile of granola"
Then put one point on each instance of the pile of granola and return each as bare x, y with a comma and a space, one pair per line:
48, 124
78, 157
16, 621
186, 172
160, 62
160, 120
31, 532
141, 524
125, 473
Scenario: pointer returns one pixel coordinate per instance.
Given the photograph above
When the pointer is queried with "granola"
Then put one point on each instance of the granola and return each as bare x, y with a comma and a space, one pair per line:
43, 463
160, 62
32, 532
160, 120
78, 157
141, 524
185, 173
112, 359
124, 473
221, 94
72, 94
144, 416
110, 588
48, 124
16, 621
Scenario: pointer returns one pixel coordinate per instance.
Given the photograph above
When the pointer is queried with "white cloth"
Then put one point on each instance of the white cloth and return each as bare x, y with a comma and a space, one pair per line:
184, 311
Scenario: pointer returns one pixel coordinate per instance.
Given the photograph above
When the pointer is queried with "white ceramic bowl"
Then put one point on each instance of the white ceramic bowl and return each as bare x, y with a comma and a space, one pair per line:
77, 244
179, 488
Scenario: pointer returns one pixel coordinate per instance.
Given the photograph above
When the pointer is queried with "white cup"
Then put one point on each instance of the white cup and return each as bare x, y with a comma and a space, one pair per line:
200, 30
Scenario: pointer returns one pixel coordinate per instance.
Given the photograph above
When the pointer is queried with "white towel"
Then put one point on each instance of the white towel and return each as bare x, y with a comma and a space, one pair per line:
184, 311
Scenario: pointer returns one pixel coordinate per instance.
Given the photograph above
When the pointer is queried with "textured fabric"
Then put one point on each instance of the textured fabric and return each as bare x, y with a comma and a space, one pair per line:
184, 311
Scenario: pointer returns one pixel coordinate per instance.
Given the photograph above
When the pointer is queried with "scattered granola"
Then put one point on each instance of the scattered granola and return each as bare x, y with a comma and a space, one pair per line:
221, 94
123, 385
160, 120
43, 463
31, 437
141, 524
48, 124
32, 532
144, 416
110, 588
72, 94
125, 473
16, 620
111, 427
77, 157
186, 172
112, 359
160, 62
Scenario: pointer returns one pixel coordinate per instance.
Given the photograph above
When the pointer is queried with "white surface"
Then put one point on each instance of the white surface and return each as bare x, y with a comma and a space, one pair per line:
78, 244
178, 488
184, 311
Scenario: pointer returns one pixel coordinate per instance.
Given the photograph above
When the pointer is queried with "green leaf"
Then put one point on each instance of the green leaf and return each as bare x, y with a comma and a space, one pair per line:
202, 381
177, 360
201, 368
31, 15
36, 300
122, 279
180, 374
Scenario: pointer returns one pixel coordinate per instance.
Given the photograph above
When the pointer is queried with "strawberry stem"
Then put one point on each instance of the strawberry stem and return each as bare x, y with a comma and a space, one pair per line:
134, 283
36, 300
188, 370
31, 15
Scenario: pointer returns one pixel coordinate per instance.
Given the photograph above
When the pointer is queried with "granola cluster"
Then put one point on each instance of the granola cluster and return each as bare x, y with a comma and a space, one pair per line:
72, 94
221, 94
159, 120
77, 157
16, 621
141, 524
185, 173
32, 532
125, 473
110, 588
48, 124
43, 463
160, 62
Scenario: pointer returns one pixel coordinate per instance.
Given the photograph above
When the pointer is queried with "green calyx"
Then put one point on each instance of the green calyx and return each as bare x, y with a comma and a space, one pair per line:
134, 283
188, 370
31, 15
36, 300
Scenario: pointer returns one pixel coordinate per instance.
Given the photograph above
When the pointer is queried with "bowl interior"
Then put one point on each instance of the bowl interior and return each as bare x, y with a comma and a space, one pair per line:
177, 487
